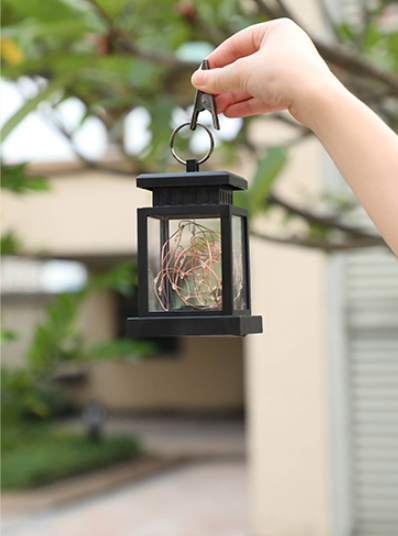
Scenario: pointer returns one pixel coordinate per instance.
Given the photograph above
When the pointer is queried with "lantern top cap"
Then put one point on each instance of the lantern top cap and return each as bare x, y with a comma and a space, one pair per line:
153, 181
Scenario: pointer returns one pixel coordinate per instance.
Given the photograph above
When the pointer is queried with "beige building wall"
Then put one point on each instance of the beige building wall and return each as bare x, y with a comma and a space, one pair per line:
290, 474
286, 378
204, 376
86, 212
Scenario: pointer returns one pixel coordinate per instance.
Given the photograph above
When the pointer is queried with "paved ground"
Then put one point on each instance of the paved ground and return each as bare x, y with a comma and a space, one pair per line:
181, 436
202, 499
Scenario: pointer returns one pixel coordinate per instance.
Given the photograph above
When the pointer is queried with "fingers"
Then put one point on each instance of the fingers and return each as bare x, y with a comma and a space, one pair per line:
241, 104
226, 61
243, 43
250, 107
221, 80
226, 99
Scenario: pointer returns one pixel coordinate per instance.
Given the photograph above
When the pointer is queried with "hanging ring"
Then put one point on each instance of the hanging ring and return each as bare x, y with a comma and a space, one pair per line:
206, 157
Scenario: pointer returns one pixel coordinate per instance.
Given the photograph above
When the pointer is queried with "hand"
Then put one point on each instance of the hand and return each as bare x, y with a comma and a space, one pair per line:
267, 67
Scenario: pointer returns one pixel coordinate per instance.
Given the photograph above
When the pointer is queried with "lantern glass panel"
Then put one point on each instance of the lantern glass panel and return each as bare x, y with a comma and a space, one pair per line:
154, 251
188, 269
239, 291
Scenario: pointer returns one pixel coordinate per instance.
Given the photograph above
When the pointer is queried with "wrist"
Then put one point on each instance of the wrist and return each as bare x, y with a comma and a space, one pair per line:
315, 98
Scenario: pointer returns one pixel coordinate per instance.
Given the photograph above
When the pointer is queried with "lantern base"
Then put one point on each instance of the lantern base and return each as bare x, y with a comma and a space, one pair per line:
177, 326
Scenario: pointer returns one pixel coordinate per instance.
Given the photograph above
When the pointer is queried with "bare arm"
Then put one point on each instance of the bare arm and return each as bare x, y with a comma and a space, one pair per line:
274, 66
364, 149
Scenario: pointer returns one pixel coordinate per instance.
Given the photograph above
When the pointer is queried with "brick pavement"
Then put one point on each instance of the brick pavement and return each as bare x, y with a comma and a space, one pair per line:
208, 498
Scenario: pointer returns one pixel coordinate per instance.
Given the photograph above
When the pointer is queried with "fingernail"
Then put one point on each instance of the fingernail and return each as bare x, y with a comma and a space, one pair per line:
199, 77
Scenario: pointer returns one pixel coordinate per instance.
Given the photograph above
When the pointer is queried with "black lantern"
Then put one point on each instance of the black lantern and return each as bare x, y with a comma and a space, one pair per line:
193, 258
193, 255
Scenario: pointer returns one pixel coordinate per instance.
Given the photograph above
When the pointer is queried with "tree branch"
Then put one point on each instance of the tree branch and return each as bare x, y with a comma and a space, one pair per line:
337, 54
327, 222
102, 13
317, 243
355, 64
191, 16
123, 43
89, 164
161, 58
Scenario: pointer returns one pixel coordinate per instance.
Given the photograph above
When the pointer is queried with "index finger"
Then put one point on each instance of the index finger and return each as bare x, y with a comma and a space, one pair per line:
241, 44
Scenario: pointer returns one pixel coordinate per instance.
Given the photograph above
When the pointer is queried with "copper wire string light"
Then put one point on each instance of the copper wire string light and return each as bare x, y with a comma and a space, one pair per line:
193, 271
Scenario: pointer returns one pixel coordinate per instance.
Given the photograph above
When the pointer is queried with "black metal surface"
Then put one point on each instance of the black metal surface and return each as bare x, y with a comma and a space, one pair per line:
192, 195
175, 326
246, 261
192, 165
142, 261
151, 181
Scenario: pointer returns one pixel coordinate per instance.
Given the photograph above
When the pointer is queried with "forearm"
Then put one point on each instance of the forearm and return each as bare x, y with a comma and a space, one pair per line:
364, 149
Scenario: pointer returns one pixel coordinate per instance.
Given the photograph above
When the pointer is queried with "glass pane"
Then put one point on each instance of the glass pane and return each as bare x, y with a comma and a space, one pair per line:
238, 273
154, 252
189, 276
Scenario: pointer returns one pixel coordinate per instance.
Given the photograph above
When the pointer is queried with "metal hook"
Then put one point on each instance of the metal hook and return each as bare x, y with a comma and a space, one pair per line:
204, 101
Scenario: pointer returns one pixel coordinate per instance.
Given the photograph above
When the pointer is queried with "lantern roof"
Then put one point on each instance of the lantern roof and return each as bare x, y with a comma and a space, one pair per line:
153, 181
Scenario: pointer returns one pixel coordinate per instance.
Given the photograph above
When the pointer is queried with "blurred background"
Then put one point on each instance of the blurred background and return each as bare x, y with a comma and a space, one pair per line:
290, 433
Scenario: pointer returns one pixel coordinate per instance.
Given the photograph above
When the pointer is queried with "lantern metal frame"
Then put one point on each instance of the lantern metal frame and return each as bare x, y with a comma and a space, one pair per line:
194, 195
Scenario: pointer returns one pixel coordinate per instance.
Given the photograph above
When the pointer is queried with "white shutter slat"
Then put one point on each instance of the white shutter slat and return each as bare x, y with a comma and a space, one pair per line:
376, 368
372, 354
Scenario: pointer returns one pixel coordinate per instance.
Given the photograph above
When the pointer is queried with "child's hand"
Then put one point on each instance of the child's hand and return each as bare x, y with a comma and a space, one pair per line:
264, 68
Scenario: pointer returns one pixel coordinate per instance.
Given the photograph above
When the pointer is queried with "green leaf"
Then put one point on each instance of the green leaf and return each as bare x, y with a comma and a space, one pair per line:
111, 7
10, 244
8, 336
42, 10
125, 348
268, 170
317, 231
32, 104
58, 337
15, 179
121, 278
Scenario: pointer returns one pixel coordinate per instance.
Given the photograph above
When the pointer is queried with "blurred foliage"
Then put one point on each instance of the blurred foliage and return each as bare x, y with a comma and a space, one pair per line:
23, 398
117, 55
15, 178
121, 278
10, 52
58, 338
34, 455
130, 349
376, 43
10, 244
8, 335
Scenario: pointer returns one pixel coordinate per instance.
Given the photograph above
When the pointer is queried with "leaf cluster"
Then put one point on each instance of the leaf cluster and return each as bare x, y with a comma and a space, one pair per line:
16, 179
23, 398
116, 55
36, 455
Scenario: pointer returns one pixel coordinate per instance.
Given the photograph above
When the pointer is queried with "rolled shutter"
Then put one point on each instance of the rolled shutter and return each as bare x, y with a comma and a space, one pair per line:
372, 352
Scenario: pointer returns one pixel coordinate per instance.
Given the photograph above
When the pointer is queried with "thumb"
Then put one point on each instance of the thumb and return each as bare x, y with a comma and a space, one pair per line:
222, 80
